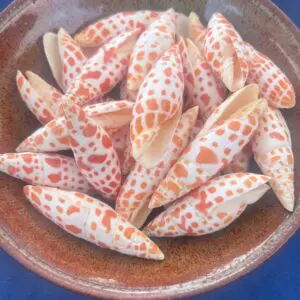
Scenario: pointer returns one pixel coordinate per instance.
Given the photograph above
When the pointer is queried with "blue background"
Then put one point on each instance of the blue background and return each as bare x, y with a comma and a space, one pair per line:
276, 279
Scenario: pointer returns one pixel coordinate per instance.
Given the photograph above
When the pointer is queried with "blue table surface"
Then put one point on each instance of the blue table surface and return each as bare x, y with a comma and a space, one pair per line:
276, 279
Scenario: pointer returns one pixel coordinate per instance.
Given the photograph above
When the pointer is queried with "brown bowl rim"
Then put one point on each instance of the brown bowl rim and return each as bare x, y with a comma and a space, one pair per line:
275, 241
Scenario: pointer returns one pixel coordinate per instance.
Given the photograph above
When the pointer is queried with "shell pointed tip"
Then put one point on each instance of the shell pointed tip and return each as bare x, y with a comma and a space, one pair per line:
195, 109
61, 30
155, 253
290, 207
26, 146
193, 15
157, 200
286, 196
288, 203
47, 35
170, 10
28, 73
160, 256
19, 148
154, 203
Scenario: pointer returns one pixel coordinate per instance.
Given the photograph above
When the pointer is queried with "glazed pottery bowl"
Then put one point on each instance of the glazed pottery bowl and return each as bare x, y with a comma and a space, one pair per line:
192, 265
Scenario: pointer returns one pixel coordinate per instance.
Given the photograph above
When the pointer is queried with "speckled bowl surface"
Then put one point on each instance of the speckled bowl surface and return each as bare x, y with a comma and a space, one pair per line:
192, 265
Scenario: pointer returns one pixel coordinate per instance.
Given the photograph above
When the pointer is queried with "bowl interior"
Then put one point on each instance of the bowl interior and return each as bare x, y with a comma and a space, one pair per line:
191, 264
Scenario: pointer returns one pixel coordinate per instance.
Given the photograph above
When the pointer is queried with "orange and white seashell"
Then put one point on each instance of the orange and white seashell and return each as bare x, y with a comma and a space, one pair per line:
150, 46
273, 84
105, 29
93, 151
273, 153
45, 169
225, 51
103, 71
202, 88
211, 207
53, 136
157, 109
92, 220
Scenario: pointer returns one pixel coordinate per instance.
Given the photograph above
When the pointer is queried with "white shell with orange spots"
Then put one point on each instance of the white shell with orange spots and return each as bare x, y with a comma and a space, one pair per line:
45, 169
40, 108
274, 85
211, 207
92, 220
142, 182
159, 100
93, 152
54, 135
224, 51
273, 153
105, 29
150, 46
206, 155
208, 92
271, 133
103, 70
71, 56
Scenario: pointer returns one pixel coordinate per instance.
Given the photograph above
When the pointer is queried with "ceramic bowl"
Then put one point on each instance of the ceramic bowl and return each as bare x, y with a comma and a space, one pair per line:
192, 265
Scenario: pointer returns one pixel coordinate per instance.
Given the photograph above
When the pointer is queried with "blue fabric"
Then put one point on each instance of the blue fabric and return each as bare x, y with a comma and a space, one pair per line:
276, 279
